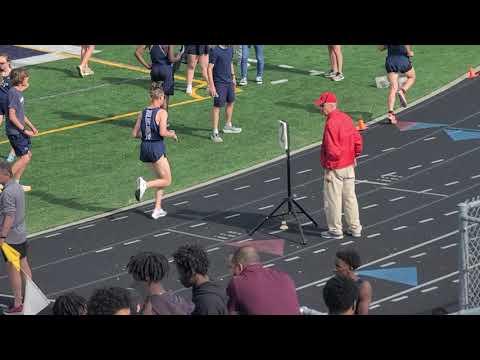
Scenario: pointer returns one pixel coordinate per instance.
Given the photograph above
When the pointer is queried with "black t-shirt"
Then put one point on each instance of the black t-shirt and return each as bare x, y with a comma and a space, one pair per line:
209, 299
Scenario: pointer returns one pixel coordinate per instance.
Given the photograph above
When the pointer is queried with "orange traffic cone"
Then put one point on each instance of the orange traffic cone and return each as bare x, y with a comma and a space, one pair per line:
471, 73
361, 125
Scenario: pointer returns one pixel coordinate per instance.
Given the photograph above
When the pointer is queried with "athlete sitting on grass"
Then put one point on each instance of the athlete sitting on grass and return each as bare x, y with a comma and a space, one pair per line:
151, 127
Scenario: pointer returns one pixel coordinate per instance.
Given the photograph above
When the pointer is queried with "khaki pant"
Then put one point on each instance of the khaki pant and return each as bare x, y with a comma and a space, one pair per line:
340, 191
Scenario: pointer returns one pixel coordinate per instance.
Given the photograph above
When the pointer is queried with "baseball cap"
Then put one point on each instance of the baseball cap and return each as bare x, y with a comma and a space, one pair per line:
326, 97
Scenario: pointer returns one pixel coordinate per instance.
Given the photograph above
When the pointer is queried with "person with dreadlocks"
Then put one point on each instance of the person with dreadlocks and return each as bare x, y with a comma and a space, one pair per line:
149, 269
70, 304
340, 294
192, 266
110, 301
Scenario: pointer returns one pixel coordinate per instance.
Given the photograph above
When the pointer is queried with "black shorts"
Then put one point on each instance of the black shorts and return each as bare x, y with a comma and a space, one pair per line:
152, 151
398, 64
21, 248
21, 144
226, 94
164, 74
196, 49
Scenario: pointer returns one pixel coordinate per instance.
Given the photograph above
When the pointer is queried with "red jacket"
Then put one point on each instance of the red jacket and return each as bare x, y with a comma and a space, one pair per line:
342, 142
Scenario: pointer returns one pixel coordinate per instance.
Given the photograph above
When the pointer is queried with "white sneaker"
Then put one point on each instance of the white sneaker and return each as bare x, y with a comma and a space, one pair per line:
259, 80
338, 77
158, 213
216, 138
141, 188
243, 82
189, 90
26, 188
230, 129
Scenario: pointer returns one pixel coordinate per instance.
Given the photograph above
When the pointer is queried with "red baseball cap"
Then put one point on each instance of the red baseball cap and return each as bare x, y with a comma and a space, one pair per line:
326, 97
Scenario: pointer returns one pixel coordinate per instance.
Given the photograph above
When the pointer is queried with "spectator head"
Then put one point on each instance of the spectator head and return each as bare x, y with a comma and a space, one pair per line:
5, 172
148, 267
340, 295
19, 77
243, 257
192, 264
346, 262
4, 62
327, 102
70, 304
109, 301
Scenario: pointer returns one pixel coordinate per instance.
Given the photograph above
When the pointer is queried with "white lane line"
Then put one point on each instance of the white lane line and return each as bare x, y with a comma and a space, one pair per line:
148, 211
106, 249
475, 176
426, 220
388, 264
374, 307
429, 289
362, 156
268, 265
452, 183
85, 227
346, 242
241, 241
162, 234
418, 255
266, 207
181, 203
241, 187
415, 288
448, 246
278, 81
270, 180
369, 206
209, 196
275, 232
131, 242
307, 223
413, 191
400, 298
430, 138
373, 235
301, 198
415, 167
292, 258
397, 198
451, 213
400, 228
120, 218
213, 249
197, 225
232, 216
285, 66
426, 190
196, 235
437, 161
321, 284
304, 171
388, 174
392, 148
319, 251
52, 235
456, 280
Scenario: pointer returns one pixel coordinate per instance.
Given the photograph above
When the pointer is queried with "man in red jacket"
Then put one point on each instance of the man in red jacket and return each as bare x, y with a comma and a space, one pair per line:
341, 145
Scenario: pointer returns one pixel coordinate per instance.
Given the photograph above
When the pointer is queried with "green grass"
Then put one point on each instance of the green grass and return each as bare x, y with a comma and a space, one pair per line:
89, 170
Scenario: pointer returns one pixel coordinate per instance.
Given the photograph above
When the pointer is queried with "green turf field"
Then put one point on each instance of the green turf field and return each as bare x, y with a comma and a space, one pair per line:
78, 172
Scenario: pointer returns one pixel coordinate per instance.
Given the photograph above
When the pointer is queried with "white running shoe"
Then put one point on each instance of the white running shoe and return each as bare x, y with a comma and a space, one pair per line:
189, 90
259, 80
243, 82
26, 188
158, 213
141, 188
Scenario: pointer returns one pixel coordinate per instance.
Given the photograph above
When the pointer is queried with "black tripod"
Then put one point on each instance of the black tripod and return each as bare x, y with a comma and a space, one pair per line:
292, 203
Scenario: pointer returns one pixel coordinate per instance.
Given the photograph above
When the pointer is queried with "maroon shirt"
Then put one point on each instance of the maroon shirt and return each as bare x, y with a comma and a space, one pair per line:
262, 291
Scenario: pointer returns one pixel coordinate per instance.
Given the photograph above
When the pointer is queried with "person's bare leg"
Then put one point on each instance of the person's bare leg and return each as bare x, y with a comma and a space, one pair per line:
86, 56
338, 57
16, 284
215, 118
25, 266
203, 61
393, 80
333, 62
162, 170
192, 63
20, 165
228, 113
411, 77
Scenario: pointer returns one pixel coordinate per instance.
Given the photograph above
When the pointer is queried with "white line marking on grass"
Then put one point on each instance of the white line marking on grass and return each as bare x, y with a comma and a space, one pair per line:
120, 218
268, 265
181, 203
362, 156
400, 228
270, 180
451, 213
213, 249
161, 234
131, 242
430, 138
241, 187
102, 250
426, 220
400, 298
388, 264
392, 148
278, 81
388, 174
397, 198
85, 227
304, 171
266, 207
369, 206
374, 307
429, 289
418, 255
437, 161
232, 216
292, 258
275, 232
373, 235
448, 246
347, 242
452, 183
197, 225
285, 66
209, 196
475, 176
52, 235
301, 198
415, 167
319, 251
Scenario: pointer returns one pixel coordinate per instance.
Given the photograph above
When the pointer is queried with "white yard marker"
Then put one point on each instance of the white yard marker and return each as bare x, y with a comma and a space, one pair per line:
448, 246
275, 232
213, 249
197, 225
426, 220
437, 161
451, 183
85, 227
400, 298
429, 289
392, 148
369, 206
347, 242
102, 250
475, 176
162, 234
388, 174
418, 255
131, 242
209, 196
292, 258
232, 216
241, 187
266, 207
415, 167
451, 213
400, 228
373, 235
388, 264
270, 180
397, 198
321, 284
319, 251
120, 218
374, 307
456, 280
278, 81
181, 203
52, 235
268, 265
362, 156
301, 198
430, 138
304, 171
307, 223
